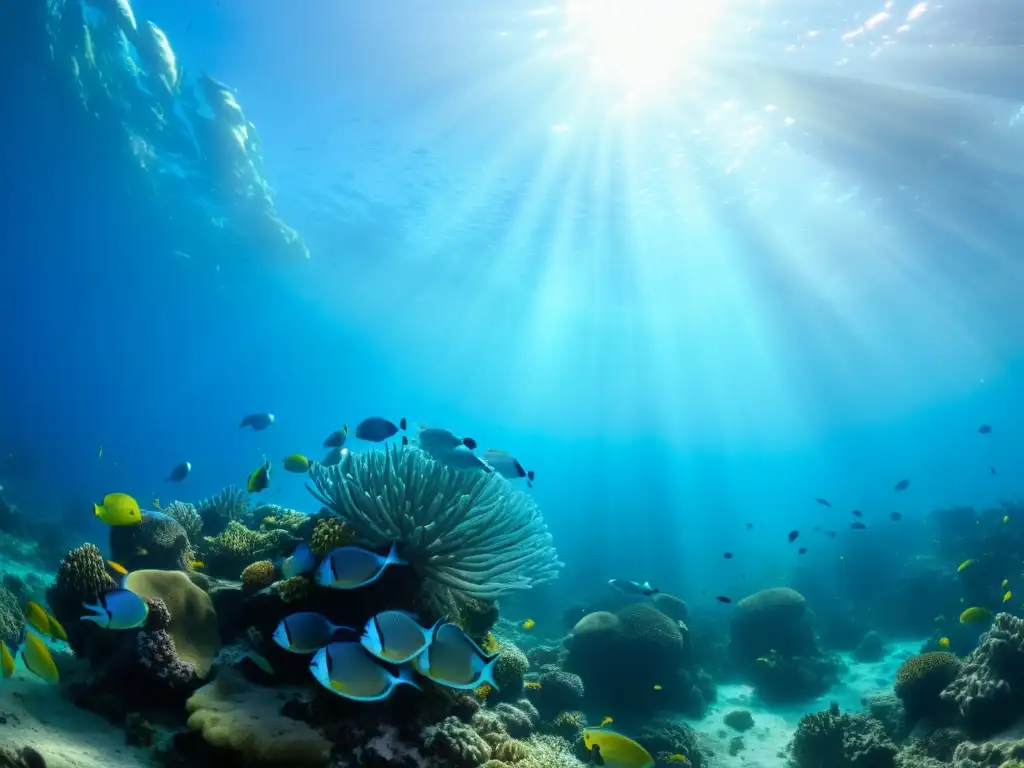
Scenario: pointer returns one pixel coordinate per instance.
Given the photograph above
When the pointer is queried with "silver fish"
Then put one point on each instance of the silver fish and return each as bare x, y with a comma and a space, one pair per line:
348, 670
452, 659
354, 567
396, 636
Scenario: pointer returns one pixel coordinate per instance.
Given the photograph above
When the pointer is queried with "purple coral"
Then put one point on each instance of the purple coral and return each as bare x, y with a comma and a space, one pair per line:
989, 691
156, 653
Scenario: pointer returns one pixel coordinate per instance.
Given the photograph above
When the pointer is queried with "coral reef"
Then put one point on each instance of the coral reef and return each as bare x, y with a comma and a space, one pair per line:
662, 738
559, 691
919, 682
238, 717
271, 517
739, 720
989, 689
81, 578
773, 619
833, 740
12, 623
671, 606
157, 542
778, 678
510, 671
471, 532
188, 517
229, 504
237, 546
328, 534
157, 653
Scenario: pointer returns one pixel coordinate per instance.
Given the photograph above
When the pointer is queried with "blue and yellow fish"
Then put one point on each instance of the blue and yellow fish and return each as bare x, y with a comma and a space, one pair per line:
346, 669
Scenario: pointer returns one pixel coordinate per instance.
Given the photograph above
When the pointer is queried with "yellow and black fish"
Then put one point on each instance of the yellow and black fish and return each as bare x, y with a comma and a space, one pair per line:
259, 478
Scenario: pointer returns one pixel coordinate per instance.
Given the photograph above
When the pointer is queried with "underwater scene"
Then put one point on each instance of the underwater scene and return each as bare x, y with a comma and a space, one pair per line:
521, 384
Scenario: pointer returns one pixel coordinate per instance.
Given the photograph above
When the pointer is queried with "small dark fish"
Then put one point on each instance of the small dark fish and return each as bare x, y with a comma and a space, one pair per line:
180, 472
749, 526
895, 516
817, 528
830, 534
902, 485
727, 555
985, 429
823, 502
858, 526
376, 429
858, 513
337, 439
802, 551
723, 599
992, 470
189, 27
792, 536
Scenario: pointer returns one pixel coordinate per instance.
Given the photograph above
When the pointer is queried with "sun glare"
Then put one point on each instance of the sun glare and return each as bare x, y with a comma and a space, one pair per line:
642, 46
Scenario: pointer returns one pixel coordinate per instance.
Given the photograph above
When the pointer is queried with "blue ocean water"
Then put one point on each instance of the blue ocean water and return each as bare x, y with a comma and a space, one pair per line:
790, 269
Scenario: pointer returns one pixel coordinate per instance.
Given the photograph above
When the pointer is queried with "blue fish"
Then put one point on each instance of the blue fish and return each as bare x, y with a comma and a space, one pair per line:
396, 637
452, 659
348, 670
376, 429
305, 632
301, 562
354, 567
118, 609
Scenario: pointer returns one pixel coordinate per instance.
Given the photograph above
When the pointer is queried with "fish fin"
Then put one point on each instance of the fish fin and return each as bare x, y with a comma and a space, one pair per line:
469, 442
530, 476
405, 676
97, 619
405, 441
336, 628
487, 676
97, 510
402, 424
393, 557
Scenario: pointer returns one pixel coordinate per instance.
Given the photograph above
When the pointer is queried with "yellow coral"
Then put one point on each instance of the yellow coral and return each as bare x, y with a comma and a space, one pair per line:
532, 685
328, 534
510, 751
233, 714
294, 589
483, 692
259, 574
490, 644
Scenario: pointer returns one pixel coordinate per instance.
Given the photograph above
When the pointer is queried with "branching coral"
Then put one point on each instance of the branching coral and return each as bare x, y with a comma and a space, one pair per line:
471, 532
229, 504
188, 518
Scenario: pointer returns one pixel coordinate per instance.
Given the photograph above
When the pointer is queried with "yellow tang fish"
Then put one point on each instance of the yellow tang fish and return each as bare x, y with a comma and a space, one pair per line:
975, 615
616, 750
118, 509
605, 721
99, 454
529, 624
197, 565
1006, 518
38, 659
56, 628
1005, 582
259, 479
943, 642
297, 463
965, 564
36, 616
1007, 596
117, 568
6, 661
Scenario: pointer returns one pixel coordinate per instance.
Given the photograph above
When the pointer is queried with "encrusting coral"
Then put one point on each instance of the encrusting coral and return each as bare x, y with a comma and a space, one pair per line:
235, 715
258, 575
328, 534
472, 532
920, 681
989, 689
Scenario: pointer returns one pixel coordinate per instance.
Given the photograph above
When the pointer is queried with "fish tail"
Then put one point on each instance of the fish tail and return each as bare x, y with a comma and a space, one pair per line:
97, 510
405, 677
402, 424
530, 477
97, 619
488, 674
393, 557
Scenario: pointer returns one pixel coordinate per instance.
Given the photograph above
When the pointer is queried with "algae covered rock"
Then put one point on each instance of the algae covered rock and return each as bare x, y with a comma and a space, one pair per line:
773, 619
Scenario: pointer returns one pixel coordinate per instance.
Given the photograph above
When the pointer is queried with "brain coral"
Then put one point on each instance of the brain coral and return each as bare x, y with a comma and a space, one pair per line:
772, 619
471, 532
921, 679
989, 689
193, 620
235, 715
